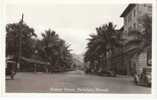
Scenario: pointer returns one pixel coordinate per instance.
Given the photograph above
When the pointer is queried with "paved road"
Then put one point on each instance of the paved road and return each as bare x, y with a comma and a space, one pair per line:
69, 82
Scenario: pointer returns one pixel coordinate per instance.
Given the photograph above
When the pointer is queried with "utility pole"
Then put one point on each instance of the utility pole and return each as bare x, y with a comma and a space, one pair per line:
20, 43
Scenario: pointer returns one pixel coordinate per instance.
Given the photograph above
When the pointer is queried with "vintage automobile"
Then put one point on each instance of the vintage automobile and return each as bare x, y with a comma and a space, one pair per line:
109, 73
144, 78
10, 67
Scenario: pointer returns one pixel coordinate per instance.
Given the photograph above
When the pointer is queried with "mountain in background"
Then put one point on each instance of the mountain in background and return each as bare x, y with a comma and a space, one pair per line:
78, 60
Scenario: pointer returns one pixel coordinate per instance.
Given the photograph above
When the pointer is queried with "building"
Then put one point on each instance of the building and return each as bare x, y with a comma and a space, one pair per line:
132, 21
132, 15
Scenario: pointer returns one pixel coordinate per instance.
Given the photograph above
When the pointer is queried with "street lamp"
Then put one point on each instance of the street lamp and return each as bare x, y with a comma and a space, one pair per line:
35, 65
20, 43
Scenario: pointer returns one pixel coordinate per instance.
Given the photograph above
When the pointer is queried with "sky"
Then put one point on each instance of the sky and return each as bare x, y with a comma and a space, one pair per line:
73, 22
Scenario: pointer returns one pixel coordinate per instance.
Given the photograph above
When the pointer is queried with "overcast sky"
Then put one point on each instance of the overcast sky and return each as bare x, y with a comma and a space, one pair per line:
73, 22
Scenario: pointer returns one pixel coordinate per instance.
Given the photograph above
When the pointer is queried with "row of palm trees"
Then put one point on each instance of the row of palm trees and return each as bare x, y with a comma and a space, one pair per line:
51, 48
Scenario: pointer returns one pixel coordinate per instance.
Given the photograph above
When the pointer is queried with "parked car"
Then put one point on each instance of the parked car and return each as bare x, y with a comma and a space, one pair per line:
10, 67
109, 73
87, 71
144, 78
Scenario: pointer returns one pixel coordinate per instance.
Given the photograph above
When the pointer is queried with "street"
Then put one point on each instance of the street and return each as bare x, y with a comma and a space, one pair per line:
71, 82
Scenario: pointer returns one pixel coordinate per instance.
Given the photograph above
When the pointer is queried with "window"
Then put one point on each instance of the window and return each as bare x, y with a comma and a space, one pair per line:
125, 21
129, 17
134, 26
150, 8
145, 5
134, 13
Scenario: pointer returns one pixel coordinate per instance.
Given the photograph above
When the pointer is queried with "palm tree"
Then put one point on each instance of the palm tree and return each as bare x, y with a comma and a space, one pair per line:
49, 40
13, 36
56, 51
100, 45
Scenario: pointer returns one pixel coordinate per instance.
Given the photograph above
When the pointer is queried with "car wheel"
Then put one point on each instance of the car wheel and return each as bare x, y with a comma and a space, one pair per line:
148, 84
12, 77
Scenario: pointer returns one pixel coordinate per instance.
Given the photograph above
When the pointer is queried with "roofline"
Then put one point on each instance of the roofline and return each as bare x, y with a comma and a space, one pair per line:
127, 9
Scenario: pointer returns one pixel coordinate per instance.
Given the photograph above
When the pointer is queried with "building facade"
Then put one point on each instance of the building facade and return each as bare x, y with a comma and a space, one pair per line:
132, 16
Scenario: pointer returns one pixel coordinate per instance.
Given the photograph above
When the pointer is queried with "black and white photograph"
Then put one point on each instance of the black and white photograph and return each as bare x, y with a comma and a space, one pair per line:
78, 48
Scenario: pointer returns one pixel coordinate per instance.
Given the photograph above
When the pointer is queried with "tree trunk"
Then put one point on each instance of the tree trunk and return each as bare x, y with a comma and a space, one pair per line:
35, 68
